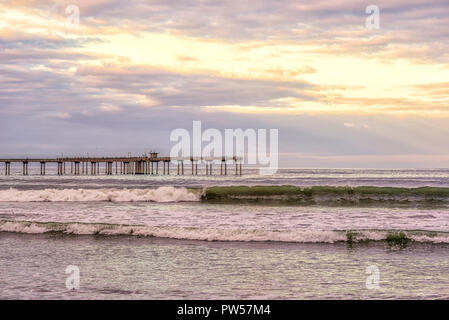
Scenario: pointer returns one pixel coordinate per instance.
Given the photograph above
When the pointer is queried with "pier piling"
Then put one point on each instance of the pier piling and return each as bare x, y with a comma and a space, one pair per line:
7, 168
42, 168
25, 168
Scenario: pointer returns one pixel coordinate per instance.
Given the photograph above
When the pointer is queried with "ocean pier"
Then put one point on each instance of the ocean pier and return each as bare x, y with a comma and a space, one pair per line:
132, 165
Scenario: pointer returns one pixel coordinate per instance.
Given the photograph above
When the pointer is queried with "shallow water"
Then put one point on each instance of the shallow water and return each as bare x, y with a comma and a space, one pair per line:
33, 267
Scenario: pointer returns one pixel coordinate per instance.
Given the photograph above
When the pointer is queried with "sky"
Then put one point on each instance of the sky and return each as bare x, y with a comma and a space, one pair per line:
126, 73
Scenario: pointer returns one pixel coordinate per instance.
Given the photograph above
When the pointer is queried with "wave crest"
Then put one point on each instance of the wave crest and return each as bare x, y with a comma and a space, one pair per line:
214, 234
161, 194
328, 194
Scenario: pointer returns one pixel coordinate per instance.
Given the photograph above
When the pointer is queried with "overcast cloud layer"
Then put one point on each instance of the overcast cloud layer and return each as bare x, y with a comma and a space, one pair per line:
341, 94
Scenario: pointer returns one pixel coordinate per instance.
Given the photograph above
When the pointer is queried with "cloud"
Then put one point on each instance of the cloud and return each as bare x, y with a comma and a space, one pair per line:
436, 90
61, 115
115, 88
310, 68
263, 20
417, 27
110, 108
353, 125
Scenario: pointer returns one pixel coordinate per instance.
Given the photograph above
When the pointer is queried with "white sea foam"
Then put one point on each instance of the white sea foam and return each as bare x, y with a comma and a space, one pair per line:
161, 194
211, 234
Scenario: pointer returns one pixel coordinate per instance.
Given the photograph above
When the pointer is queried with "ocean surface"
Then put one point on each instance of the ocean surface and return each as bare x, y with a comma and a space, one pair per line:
158, 237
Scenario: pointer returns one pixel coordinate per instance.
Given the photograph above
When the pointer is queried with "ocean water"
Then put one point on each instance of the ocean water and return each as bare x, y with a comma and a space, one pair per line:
155, 237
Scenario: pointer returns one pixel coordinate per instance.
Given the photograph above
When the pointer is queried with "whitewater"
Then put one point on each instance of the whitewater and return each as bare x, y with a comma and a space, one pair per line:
304, 206
161, 194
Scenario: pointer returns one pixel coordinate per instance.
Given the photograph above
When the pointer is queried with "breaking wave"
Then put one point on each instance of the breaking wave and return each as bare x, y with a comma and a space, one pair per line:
327, 194
214, 234
240, 194
161, 194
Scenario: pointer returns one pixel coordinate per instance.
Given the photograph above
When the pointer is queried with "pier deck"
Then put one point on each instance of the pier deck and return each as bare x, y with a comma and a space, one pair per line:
125, 165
